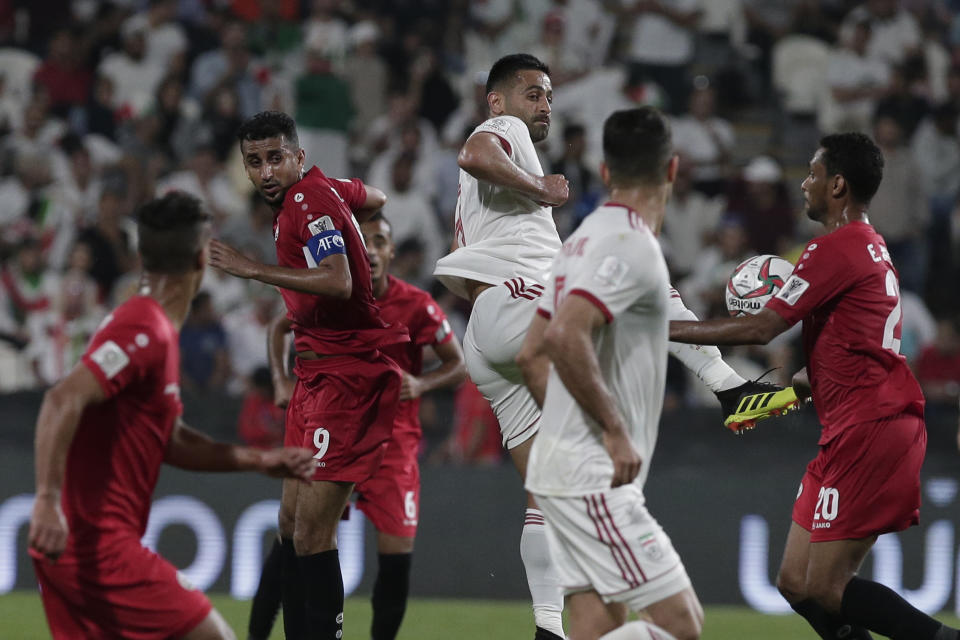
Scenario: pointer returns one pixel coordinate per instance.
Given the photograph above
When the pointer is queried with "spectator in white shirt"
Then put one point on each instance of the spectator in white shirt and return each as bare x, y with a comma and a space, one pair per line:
135, 77
856, 81
662, 43
894, 33
706, 140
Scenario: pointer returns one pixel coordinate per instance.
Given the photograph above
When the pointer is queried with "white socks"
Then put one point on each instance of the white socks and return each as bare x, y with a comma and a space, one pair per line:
542, 578
704, 361
638, 630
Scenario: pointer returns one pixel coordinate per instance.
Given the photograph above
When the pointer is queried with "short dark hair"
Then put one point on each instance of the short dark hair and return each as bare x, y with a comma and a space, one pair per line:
171, 231
379, 217
855, 157
637, 146
269, 124
507, 67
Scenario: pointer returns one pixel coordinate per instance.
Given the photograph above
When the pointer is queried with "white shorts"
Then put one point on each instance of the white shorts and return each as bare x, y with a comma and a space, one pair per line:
609, 543
498, 325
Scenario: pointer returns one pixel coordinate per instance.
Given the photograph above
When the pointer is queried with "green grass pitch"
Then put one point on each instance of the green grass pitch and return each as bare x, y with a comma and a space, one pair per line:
21, 618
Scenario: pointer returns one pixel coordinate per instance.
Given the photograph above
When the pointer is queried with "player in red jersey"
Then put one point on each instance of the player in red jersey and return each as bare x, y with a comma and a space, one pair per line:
866, 479
391, 497
347, 390
102, 434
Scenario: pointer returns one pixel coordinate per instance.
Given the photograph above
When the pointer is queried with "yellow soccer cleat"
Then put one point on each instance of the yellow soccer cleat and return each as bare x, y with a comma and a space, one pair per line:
753, 401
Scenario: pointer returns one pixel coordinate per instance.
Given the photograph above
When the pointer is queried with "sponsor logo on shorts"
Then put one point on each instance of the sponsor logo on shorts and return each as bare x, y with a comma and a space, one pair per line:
821, 525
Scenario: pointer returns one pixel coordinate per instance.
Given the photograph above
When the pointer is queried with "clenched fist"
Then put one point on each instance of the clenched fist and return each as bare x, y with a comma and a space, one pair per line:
554, 190
48, 527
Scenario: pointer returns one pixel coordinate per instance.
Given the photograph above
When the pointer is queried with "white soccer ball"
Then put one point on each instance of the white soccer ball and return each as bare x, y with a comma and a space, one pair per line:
755, 281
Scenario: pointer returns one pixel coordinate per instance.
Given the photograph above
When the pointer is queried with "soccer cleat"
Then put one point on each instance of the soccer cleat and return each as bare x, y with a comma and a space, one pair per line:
543, 634
753, 401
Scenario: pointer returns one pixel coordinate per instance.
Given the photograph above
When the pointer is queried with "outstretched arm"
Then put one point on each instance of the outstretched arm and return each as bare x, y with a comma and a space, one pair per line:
568, 342
483, 157
57, 424
190, 449
331, 277
451, 372
756, 329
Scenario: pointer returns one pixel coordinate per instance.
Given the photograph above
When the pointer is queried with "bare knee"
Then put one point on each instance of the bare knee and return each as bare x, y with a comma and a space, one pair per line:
828, 594
688, 626
680, 615
310, 538
792, 587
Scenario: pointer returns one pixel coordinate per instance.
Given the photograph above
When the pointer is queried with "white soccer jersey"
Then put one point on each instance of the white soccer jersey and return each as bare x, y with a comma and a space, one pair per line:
502, 233
614, 261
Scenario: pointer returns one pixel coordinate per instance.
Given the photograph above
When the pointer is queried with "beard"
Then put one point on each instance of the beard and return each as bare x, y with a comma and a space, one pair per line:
538, 131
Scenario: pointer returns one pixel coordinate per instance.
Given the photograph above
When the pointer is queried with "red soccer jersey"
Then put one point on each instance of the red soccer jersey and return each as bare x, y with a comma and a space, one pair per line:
120, 443
845, 289
405, 305
316, 221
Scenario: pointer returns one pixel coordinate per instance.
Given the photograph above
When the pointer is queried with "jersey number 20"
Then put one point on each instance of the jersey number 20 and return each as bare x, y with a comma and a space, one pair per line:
893, 290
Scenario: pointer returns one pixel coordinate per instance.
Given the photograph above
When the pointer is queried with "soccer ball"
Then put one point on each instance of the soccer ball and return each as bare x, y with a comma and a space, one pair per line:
755, 281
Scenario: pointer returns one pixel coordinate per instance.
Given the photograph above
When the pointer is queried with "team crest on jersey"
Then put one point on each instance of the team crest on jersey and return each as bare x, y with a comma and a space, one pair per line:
320, 225
298, 197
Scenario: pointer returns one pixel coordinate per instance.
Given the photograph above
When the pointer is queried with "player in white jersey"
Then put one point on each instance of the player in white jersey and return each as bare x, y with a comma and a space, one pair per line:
504, 246
603, 323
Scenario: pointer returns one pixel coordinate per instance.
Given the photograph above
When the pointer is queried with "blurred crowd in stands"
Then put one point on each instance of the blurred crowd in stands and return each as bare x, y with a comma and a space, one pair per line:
105, 104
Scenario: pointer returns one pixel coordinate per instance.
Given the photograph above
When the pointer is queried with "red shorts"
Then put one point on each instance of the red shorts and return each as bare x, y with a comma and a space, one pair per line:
864, 482
391, 497
343, 408
129, 593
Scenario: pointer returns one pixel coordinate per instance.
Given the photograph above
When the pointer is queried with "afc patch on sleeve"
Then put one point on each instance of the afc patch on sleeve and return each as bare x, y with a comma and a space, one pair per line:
110, 358
611, 271
792, 289
320, 225
323, 245
496, 125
